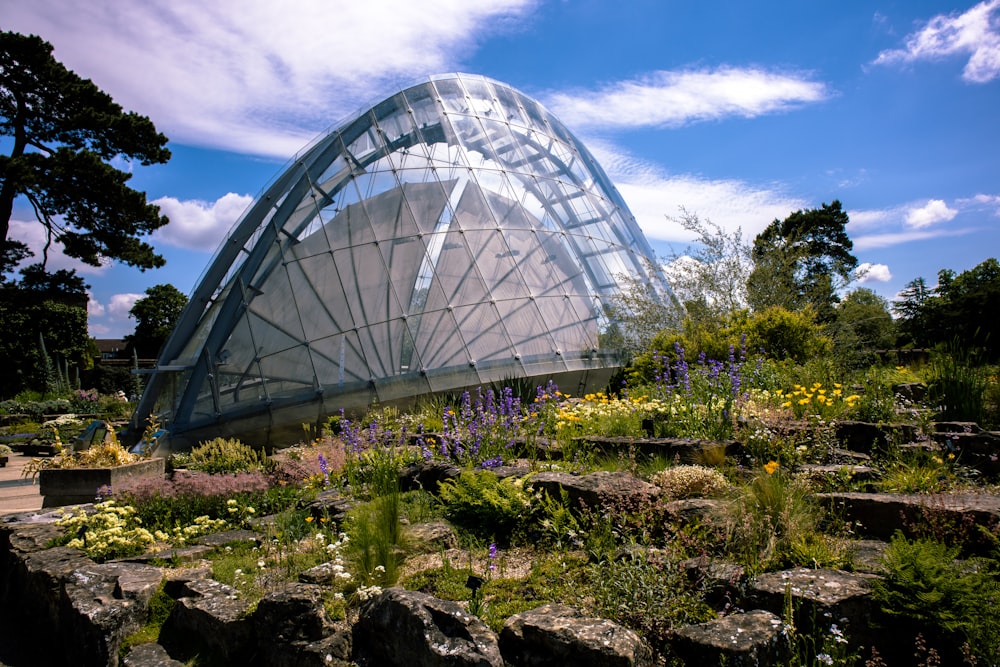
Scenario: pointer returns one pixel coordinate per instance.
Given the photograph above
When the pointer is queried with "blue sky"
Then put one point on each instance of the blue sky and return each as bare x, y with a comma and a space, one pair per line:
739, 112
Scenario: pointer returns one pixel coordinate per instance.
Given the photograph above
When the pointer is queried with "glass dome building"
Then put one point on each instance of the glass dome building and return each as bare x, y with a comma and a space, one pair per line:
453, 235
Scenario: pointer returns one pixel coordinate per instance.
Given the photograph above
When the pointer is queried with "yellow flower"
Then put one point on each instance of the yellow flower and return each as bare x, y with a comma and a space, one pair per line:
309, 519
770, 467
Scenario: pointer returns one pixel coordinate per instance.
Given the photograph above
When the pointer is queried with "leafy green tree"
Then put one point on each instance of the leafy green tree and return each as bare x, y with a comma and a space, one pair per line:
784, 334
962, 307
802, 260
62, 132
155, 316
42, 306
863, 325
913, 310
62, 325
966, 307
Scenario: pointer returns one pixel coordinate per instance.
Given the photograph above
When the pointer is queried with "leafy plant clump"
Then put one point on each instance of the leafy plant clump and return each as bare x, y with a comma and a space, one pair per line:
690, 481
226, 455
111, 531
487, 506
924, 583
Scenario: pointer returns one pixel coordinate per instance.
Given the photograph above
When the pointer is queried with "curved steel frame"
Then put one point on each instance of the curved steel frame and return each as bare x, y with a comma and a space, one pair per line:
496, 139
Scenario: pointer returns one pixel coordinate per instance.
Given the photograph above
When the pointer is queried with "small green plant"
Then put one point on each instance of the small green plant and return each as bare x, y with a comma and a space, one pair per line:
227, 455
485, 505
957, 386
630, 591
923, 582
771, 514
160, 606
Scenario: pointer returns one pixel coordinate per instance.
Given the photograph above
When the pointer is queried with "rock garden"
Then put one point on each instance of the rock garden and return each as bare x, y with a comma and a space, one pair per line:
699, 512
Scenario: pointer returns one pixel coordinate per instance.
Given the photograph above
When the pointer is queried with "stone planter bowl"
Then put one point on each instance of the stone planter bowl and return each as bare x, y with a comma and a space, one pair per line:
74, 486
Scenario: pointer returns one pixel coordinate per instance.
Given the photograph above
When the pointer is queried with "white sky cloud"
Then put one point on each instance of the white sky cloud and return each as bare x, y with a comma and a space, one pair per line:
32, 233
199, 225
120, 304
873, 273
654, 196
975, 33
94, 307
934, 211
256, 76
874, 241
670, 99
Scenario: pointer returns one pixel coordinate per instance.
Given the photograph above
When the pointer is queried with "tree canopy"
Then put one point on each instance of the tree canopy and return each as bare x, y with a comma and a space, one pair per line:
155, 316
962, 306
803, 260
64, 132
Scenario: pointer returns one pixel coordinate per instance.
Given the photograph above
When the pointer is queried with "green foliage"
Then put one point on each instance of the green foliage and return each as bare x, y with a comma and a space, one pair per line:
630, 591
53, 366
862, 325
960, 307
876, 403
155, 315
786, 334
160, 606
957, 385
803, 260
773, 513
923, 583
376, 540
227, 455
63, 134
485, 505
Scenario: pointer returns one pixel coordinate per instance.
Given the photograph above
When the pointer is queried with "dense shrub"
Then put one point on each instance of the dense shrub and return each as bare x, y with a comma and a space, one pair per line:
690, 481
482, 503
222, 455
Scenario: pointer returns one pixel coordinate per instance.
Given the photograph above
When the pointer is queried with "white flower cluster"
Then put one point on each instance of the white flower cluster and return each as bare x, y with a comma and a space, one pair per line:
368, 592
690, 481
111, 531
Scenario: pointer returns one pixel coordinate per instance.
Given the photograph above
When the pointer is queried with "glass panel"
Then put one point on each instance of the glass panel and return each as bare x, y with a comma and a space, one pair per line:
484, 333
527, 330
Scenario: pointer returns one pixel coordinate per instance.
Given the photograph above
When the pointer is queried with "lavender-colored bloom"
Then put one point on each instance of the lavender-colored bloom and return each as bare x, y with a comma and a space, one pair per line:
493, 556
495, 462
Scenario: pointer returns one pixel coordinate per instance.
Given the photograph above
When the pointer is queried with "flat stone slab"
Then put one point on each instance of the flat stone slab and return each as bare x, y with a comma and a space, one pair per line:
819, 598
754, 639
556, 634
880, 515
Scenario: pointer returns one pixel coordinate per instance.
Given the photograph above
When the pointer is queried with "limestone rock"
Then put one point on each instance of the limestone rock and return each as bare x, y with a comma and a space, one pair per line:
599, 489
433, 537
150, 655
426, 475
293, 613
210, 615
753, 639
400, 628
555, 634
820, 598
879, 515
